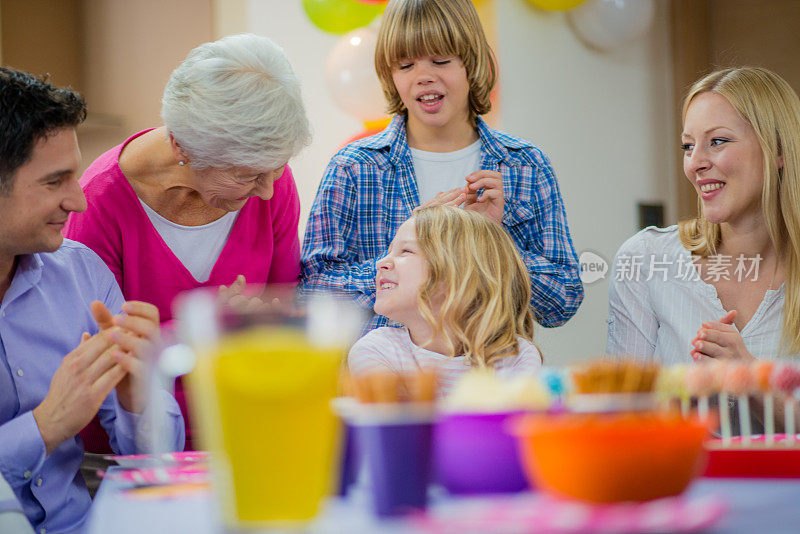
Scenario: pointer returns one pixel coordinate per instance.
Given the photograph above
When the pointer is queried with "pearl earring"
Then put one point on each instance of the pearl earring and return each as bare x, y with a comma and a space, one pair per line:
181, 163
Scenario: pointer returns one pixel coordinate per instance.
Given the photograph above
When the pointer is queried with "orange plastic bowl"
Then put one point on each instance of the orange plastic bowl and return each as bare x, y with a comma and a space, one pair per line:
611, 457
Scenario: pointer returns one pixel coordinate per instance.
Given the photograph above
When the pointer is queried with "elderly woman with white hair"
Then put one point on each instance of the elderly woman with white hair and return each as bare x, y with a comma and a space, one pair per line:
208, 197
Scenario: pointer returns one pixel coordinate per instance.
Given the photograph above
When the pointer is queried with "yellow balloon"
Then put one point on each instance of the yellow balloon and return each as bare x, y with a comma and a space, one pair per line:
556, 5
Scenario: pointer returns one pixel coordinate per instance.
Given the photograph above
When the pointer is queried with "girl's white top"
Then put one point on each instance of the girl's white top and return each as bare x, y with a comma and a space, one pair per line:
657, 301
391, 349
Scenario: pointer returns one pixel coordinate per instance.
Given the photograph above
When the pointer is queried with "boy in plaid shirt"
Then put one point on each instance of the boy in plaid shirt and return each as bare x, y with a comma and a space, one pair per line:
437, 71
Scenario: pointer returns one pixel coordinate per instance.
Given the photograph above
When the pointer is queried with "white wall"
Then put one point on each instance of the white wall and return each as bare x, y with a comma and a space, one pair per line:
307, 48
605, 120
128, 55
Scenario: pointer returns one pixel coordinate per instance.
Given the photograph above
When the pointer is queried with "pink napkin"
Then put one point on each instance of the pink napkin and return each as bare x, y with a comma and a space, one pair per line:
540, 513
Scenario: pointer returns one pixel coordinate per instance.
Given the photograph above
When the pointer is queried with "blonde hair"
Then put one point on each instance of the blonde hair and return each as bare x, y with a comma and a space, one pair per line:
415, 28
487, 289
772, 108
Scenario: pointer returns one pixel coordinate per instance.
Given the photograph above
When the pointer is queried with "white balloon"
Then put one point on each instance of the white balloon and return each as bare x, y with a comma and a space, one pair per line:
351, 79
607, 24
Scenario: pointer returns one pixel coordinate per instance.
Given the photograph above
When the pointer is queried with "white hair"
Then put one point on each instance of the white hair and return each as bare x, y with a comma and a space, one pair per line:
236, 102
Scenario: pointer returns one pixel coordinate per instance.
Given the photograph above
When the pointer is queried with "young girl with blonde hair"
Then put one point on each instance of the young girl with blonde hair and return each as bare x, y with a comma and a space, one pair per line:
728, 281
456, 283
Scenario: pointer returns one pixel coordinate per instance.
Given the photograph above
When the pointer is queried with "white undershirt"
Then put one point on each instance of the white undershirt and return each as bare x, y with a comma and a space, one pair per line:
443, 171
197, 247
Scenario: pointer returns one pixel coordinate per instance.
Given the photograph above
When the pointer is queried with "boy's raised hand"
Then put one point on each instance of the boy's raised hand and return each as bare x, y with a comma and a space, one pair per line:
491, 202
454, 197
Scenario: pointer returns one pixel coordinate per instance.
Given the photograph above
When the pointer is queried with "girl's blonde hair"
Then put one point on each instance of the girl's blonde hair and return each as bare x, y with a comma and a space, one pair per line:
486, 286
772, 108
415, 28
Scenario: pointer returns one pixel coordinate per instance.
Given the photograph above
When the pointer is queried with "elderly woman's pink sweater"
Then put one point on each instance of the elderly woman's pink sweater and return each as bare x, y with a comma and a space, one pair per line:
263, 244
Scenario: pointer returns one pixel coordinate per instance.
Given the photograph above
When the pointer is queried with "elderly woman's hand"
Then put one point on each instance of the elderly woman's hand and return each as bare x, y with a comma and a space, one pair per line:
277, 299
720, 340
232, 296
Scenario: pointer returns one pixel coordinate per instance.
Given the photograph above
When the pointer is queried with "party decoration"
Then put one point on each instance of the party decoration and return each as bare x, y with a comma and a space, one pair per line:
370, 128
556, 5
607, 24
341, 16
351, 79
360, 135
379, 124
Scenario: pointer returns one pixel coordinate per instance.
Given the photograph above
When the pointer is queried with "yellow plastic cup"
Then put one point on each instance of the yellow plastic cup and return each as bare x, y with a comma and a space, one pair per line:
263, 407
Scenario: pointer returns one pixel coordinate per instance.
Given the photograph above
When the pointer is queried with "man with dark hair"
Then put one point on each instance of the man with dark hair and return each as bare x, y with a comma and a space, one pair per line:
31, 109
65, 357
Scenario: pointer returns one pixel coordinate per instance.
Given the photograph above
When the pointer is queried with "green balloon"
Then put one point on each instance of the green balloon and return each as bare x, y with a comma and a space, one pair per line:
340, 16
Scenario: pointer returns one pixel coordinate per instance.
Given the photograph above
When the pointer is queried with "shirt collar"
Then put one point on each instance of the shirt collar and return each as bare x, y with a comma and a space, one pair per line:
492, 147
392, 137
27, 275
31, 265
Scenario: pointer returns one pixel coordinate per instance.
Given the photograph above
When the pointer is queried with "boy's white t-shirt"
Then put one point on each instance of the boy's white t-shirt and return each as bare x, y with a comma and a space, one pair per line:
443, 171
391, 349
197, 247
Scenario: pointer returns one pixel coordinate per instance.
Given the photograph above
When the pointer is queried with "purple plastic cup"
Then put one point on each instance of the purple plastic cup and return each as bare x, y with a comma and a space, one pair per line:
349, 459
398, 459
475, 453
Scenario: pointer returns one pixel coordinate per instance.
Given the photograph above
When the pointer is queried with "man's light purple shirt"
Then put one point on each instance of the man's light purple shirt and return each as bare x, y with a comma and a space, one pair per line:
42, 316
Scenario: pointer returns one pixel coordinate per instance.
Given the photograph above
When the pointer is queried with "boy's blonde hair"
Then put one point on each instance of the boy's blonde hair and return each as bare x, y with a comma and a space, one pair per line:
772, 108
414, 28
486, 286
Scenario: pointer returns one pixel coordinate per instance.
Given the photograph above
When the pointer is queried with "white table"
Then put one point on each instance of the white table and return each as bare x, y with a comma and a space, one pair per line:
755, 506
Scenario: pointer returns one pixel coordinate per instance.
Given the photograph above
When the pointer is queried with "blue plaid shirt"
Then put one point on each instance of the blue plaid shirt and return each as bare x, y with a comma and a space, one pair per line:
369, 190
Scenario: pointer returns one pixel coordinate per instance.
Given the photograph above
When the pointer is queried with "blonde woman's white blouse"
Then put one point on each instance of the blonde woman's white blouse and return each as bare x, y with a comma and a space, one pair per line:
657, 302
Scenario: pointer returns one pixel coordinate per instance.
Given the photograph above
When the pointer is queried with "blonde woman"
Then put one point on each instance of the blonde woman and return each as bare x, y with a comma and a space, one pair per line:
437, 71
456, 283
725, 285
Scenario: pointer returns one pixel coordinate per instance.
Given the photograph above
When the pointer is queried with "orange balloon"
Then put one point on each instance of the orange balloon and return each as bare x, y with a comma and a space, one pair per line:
365, 133
379, 124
